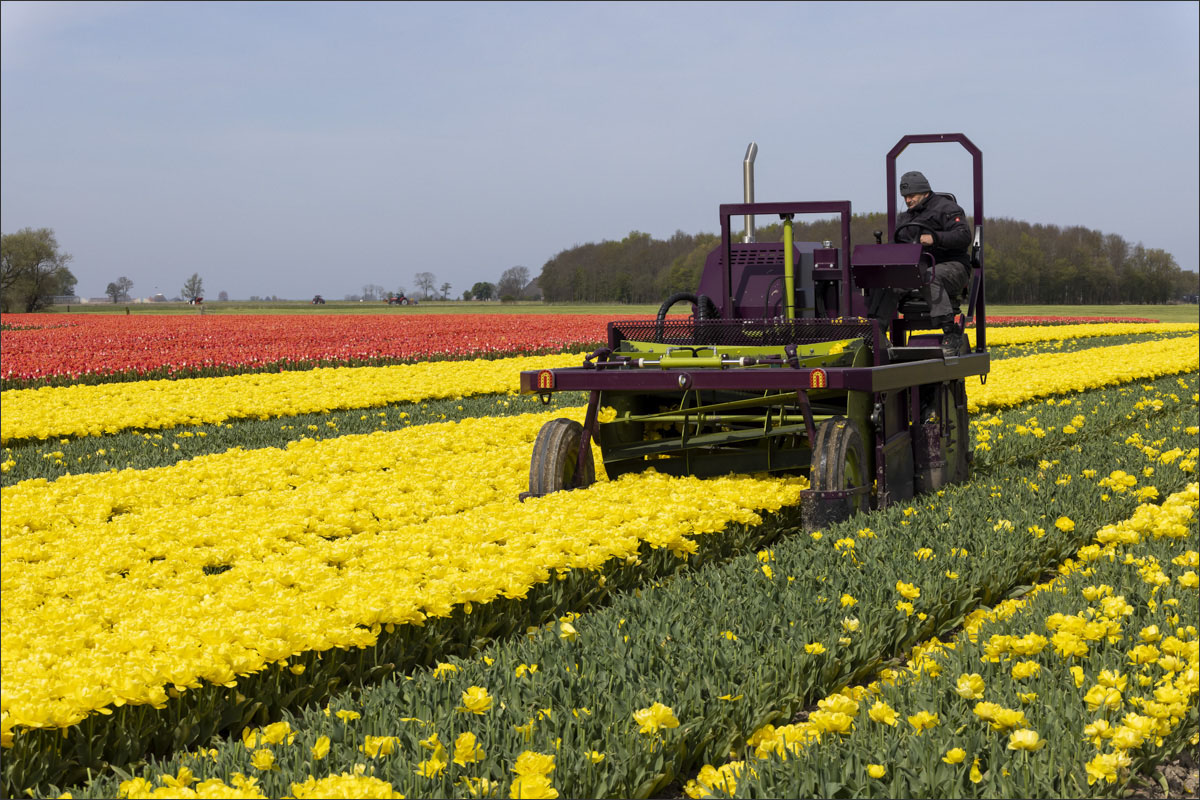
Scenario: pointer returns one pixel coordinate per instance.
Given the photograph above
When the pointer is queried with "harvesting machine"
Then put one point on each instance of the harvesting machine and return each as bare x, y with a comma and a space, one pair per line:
780, 367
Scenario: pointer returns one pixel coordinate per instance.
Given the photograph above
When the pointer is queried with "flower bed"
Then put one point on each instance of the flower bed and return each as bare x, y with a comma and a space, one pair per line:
1073, 685
93, 410
36, 350
106, 348
625, 700
90, 410
283, 572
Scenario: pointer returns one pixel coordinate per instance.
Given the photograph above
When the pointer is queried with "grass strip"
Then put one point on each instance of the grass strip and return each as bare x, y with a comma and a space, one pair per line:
725, 649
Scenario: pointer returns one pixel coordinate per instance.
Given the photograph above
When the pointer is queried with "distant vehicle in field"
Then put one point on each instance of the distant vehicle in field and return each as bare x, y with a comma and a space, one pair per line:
197, 301
318, 300
399, 300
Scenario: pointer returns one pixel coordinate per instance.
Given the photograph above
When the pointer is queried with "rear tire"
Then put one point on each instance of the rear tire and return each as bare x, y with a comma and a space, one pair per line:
840, 464
554, 465
959, 446
942, 456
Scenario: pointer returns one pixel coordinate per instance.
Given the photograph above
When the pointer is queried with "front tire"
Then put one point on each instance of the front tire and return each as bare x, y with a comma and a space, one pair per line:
555, 465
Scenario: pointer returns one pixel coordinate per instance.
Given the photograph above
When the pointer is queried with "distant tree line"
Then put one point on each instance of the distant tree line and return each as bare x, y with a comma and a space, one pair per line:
1026, 264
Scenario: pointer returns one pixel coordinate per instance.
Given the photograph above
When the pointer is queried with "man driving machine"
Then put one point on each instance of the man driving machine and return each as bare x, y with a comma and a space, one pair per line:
939, 224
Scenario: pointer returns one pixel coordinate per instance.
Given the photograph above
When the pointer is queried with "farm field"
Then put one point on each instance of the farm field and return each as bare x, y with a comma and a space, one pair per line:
281, 560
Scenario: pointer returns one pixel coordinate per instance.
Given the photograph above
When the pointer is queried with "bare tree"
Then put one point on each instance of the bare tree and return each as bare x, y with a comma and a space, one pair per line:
513, 281
193, 288
425, 282
118, 290
373, 291
446, 290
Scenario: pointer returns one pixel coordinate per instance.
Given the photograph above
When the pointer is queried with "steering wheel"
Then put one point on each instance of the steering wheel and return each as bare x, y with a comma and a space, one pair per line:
920, 225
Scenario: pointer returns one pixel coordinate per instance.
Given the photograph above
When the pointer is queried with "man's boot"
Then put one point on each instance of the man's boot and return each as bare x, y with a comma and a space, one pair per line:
952, 340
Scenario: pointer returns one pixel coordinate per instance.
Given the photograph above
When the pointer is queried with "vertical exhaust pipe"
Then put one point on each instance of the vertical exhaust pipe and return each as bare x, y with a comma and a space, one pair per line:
748, 188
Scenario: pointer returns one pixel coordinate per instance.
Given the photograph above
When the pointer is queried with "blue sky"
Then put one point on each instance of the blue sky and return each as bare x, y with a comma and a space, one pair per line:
302, 148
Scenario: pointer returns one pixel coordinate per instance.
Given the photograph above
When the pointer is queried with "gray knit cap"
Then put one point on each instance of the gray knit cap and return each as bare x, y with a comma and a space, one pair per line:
913, 183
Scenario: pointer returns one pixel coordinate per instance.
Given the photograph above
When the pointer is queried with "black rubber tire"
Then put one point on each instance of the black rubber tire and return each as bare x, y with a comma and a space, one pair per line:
553, 466
840, 462
941, 460
958, 445
404, 302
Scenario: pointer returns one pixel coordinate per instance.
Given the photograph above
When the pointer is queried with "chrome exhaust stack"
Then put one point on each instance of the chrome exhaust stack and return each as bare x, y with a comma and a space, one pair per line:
748, 188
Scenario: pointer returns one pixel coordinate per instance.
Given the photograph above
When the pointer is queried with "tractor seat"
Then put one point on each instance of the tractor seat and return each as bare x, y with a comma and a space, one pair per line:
913, 305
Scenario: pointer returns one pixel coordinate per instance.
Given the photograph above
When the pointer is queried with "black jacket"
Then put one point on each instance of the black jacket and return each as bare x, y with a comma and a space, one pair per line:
946, 220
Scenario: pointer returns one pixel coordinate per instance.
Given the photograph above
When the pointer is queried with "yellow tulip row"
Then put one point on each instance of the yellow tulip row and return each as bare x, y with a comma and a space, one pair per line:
1031, 334
1013, 381
1163, 703
120, 586
93, 410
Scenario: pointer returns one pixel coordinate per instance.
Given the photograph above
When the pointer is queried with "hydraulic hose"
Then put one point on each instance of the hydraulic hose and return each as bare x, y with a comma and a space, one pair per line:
665, 307
706, 309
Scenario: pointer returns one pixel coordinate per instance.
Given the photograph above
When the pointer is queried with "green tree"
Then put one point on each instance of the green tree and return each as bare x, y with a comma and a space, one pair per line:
482, 290
683, 274
32, 270
1026, 264
193, 288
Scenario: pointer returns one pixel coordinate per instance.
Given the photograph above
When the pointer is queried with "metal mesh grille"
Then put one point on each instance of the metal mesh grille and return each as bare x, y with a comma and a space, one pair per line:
758, 256
739, 333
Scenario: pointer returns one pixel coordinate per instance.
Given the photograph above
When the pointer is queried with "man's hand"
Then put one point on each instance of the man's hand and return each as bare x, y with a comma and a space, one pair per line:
927, 238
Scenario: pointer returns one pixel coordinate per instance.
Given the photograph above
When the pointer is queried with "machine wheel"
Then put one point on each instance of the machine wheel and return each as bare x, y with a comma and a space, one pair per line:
840, 463
940, 456
553, 466
958, 446
404, 302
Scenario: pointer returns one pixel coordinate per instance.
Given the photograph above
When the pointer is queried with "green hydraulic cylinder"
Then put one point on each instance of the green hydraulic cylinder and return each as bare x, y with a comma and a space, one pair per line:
789, 268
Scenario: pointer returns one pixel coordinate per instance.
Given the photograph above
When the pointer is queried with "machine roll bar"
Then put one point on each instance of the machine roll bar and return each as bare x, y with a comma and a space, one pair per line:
976, 307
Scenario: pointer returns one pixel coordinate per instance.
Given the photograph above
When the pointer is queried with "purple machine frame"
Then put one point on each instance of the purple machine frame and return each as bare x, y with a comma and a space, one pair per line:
896, 366
976, 307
